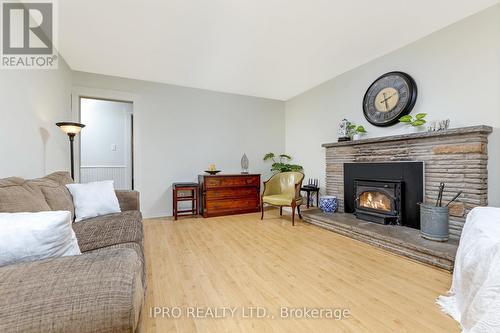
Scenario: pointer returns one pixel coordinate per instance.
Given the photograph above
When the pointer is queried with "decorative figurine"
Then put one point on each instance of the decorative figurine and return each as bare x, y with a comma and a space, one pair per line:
439, 125
244, 164
444, 125
343, 132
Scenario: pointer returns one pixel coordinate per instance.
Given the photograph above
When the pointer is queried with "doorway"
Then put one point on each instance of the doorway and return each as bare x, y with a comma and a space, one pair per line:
106, 144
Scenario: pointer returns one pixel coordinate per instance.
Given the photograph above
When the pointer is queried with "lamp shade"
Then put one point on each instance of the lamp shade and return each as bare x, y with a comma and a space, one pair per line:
70, 128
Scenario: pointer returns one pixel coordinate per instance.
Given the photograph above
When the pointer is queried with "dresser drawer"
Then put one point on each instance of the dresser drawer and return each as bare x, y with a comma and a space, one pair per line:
216, 206
230, 193
211, 182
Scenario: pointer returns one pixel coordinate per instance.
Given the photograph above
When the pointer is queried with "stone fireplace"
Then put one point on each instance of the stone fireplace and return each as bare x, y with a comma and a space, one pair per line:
457, 157
382, 179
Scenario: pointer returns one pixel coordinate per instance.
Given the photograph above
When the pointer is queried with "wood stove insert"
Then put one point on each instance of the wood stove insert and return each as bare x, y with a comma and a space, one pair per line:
379, 201
375, 184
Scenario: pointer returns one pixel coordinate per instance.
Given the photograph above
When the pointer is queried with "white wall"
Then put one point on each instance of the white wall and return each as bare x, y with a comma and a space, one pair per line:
32, 101
457, 71
105, 142
180, 131
106, 126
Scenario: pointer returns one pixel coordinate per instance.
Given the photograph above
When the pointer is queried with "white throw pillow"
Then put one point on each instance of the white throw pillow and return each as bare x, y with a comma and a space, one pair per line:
94, 199
35, 236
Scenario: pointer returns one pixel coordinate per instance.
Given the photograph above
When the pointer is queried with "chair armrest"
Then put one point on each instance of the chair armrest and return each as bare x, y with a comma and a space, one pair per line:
129, 200
298, 186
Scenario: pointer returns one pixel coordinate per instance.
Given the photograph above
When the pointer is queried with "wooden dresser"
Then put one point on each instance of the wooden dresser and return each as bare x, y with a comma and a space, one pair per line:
229, 194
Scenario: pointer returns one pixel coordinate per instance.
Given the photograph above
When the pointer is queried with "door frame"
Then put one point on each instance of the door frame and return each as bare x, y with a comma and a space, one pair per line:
114, 96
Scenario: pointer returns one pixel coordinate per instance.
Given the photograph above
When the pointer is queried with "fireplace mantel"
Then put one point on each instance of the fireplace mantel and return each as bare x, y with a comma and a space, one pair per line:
421, 135
457, 157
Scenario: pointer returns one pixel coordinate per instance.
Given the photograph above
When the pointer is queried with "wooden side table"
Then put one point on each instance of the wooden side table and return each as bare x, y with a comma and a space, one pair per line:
309, 190
177, 189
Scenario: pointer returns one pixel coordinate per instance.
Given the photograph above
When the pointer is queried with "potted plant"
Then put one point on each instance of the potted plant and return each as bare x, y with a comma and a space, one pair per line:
415, 124
279, 164
355, 131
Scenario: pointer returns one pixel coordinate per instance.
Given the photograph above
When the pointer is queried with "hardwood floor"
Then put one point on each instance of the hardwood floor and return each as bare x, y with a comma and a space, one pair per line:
241, 262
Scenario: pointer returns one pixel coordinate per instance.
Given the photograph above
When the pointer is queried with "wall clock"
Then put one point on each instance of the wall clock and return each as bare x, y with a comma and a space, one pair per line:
390, 97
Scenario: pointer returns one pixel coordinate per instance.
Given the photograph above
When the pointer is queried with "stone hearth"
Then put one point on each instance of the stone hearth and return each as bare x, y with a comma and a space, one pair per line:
400, 240
458, 157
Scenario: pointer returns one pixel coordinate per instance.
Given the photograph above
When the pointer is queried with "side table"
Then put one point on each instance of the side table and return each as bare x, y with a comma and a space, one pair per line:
177, 189
311, 189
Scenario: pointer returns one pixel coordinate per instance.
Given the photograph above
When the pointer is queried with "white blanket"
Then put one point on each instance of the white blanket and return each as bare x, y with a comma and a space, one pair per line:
474, 297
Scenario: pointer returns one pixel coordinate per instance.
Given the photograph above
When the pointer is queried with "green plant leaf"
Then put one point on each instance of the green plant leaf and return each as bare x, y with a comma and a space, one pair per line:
295, 167
283, 167
406, 119
421, 116
360, 129
351, 126
288, 157
268, 156
418, 122
276, 166
280, 166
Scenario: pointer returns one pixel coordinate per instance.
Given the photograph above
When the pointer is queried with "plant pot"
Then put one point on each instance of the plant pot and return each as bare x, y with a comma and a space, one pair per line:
328, 203
356, 137
416, 129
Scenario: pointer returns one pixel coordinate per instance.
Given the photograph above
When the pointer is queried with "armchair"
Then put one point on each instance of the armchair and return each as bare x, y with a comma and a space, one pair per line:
283, 190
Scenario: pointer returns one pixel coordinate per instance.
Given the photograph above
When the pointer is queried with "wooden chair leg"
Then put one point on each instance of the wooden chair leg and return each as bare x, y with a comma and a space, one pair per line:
281, 211
298, 211
293, 215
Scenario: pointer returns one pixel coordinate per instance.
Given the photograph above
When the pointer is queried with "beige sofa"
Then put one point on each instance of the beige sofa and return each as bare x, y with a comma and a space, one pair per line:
101, 290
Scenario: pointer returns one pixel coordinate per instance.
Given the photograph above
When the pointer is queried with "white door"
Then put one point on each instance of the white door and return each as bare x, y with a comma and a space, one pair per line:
106, 143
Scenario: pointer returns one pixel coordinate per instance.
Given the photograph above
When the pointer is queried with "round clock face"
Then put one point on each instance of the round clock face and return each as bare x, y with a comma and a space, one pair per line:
390, 97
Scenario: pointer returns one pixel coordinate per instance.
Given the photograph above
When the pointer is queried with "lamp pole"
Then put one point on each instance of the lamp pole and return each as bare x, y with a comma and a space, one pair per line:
71, 129
71, 143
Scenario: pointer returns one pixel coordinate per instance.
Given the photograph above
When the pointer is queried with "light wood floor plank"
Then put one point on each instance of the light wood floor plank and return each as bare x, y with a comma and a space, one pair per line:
240, 261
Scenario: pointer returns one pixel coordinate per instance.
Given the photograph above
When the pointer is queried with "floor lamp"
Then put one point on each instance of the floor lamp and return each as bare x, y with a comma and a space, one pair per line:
72, 129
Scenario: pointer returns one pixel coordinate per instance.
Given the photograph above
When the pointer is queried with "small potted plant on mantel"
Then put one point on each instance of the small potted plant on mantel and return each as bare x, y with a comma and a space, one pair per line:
355, 131
416, 124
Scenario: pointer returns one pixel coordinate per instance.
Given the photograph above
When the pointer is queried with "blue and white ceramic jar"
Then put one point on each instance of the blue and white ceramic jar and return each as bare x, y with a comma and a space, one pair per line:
328, 203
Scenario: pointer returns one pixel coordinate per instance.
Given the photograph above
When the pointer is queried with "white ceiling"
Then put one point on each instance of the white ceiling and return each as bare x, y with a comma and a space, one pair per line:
267, 48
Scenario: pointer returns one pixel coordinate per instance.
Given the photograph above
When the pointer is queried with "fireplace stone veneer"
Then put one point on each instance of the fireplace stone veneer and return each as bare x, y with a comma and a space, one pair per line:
458, 157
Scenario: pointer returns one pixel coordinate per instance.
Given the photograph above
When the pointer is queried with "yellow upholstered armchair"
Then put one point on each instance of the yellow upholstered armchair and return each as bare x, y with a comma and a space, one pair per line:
283, 190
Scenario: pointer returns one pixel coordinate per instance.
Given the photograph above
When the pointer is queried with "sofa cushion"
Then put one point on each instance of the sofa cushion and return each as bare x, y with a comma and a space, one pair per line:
134, 246
55, 192
94, 199
94, 292
107, 230
18, 195
35, 236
